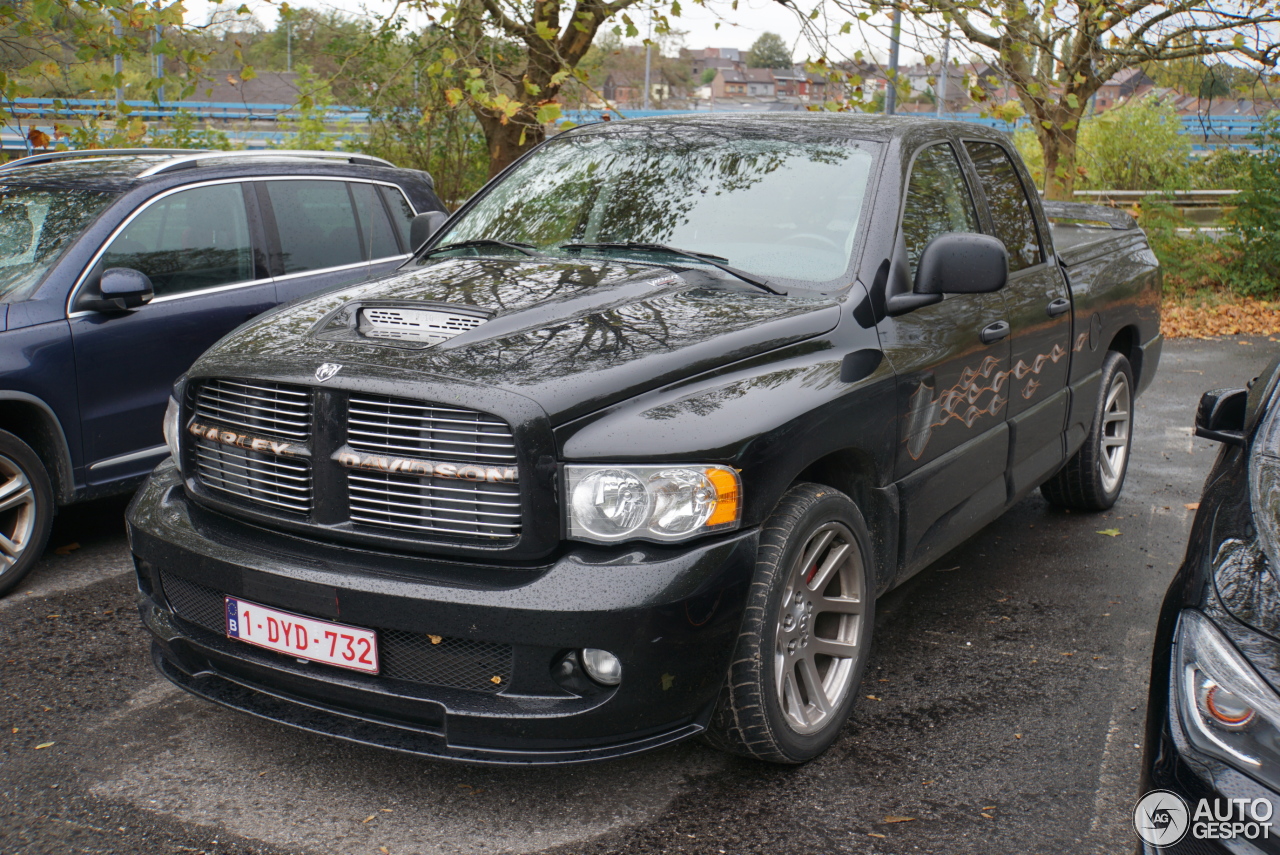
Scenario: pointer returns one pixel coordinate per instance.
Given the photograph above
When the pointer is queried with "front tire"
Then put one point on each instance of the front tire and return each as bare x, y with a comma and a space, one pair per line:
1094, 476
806, 632
26, 510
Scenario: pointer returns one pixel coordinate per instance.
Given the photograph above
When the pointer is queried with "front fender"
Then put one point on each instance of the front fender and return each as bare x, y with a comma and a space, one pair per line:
770, 417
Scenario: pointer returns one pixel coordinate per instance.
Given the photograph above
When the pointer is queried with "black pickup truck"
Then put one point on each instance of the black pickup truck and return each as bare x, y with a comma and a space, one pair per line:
628, 450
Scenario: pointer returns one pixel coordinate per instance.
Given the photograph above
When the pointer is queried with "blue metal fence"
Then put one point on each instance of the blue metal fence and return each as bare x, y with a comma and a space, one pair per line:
258, 124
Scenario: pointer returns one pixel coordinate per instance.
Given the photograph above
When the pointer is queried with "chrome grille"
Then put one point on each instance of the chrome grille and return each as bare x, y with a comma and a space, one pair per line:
396, 426
262, 409
266, 408
432, 506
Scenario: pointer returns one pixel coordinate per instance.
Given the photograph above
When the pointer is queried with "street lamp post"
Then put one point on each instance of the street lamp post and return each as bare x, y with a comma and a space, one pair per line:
895, 37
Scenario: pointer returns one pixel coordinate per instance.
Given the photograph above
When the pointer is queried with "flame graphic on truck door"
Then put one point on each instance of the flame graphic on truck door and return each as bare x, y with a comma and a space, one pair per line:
979, 392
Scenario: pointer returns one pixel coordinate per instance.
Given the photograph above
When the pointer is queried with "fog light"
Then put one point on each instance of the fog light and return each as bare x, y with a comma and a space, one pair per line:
602, 666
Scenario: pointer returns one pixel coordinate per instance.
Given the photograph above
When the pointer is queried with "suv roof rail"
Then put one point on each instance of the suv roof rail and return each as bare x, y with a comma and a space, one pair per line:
70, 154
195, 158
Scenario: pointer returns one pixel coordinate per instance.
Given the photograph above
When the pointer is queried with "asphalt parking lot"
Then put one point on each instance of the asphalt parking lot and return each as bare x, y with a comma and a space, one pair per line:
1002, 711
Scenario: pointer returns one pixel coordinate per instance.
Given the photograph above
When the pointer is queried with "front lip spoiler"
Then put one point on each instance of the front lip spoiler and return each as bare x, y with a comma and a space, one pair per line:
303, 714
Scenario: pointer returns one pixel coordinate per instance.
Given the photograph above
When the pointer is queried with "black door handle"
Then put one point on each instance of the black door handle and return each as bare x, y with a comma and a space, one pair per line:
1058, 307
992, 333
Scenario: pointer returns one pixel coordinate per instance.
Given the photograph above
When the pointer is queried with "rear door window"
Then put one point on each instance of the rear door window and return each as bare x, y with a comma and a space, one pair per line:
188, 241
1006, 195
938, 201
324, 224
401, 213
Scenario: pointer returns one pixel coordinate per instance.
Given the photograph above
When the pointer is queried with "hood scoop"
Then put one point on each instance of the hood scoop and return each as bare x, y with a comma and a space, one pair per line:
415, 326
428, 326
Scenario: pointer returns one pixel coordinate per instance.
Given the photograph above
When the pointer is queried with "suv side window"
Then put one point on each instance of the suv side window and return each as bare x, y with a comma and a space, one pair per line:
938, 200
188, 241
1007, 202
401, 213
325, 224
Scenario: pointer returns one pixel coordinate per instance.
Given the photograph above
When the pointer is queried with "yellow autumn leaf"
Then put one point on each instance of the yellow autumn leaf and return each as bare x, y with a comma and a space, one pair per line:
1110, 532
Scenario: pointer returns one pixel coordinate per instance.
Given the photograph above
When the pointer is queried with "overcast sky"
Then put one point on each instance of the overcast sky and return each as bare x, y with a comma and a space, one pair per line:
737, 29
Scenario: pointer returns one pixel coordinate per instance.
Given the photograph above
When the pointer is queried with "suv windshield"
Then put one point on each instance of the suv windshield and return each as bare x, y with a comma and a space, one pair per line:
781, 209
35, 226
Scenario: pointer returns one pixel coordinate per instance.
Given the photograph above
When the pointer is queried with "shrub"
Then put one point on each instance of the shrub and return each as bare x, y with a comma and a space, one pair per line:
1253, 225
1136, 146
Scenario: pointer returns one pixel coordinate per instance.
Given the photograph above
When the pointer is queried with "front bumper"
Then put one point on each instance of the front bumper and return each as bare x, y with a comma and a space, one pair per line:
470, 649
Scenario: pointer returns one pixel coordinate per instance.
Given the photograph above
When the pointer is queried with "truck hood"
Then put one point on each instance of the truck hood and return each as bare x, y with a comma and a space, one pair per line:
573, 336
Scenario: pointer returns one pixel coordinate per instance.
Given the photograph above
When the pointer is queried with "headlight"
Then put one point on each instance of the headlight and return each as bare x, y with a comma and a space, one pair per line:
1264, 482
607, 504
173, 430
1227, 710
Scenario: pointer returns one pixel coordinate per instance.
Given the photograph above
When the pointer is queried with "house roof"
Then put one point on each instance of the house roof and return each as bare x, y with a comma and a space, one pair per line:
268, 87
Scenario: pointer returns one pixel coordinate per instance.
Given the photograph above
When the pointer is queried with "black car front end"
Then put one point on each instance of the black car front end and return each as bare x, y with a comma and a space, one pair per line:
1213, 721
479, 662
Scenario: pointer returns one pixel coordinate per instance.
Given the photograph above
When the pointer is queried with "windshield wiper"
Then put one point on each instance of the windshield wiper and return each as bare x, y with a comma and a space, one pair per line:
467, 244
706, 258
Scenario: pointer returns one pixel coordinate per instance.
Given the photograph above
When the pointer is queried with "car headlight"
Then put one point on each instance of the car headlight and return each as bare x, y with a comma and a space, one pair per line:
1264, 482
607, 504
173, 430
1227, 709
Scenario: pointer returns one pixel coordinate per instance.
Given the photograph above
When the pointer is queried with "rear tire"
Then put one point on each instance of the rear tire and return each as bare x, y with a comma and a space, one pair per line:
1094, 476
26, 510
805, 634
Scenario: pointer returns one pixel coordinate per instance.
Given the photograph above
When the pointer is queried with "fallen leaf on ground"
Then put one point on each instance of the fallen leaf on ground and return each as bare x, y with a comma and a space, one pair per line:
67, 549
1226, 315
892, 818
872, 698
1110, 532
1192, 506
987, 816
989, 807
45, 745
369, 818
873, 834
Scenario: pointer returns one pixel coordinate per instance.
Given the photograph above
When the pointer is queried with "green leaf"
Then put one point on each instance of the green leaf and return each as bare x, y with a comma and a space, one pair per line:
1072, 101
548, 113
544, 31
247, 73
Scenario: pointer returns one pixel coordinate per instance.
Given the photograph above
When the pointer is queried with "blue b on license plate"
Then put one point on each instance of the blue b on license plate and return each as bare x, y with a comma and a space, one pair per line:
303, 637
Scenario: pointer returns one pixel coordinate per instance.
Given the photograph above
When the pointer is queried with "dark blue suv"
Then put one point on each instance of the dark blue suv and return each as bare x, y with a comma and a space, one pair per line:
118, 268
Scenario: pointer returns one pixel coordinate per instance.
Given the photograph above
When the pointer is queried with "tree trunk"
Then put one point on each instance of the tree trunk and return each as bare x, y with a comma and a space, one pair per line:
1059, 145
506, 143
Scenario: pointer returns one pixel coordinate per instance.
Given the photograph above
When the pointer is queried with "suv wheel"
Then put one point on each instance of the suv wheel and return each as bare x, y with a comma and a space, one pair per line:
1093, 478
805, 634
26, 509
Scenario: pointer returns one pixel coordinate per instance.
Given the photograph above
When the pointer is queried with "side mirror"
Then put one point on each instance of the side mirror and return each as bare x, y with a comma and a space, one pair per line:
962, 263
423, 226
122, 289
1220, 416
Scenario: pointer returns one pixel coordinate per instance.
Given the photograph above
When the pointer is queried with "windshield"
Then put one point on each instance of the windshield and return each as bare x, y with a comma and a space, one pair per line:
35, 226
783, 210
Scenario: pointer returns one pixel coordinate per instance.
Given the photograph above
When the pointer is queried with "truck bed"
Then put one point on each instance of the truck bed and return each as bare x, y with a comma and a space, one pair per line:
1082, 232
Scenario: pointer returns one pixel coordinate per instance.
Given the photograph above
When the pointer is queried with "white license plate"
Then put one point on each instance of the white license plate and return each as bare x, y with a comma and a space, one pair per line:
303, 637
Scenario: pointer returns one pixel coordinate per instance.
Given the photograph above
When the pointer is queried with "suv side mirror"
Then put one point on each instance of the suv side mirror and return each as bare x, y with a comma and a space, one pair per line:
962, 263
1220, 416
423, 226
123, 289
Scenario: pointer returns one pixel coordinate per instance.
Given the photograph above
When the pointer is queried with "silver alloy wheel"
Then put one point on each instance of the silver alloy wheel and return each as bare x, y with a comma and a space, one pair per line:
1116, 418
818, 625
17, 513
